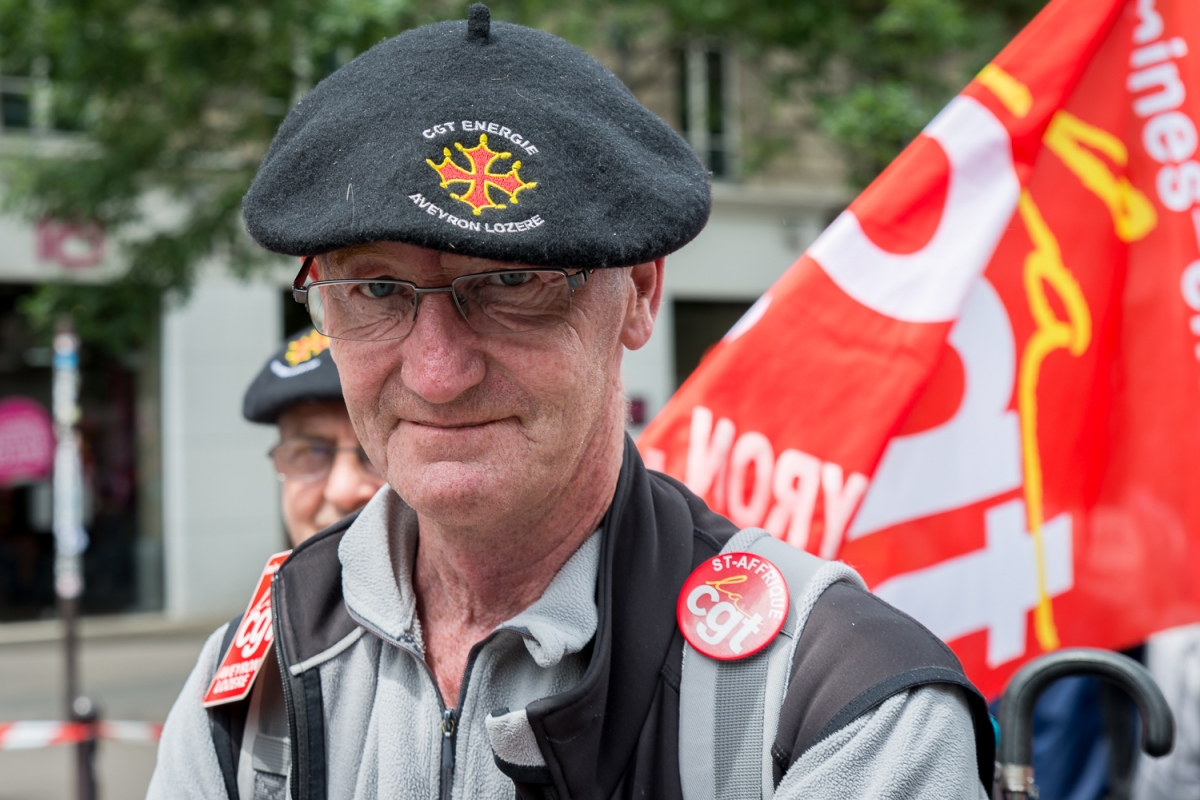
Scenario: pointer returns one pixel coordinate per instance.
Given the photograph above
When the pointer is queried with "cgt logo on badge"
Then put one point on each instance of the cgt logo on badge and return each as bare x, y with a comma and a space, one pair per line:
732, 606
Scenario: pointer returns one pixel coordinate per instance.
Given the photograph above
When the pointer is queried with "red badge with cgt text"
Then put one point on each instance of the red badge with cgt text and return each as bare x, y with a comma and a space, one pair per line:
733, 605
236, 673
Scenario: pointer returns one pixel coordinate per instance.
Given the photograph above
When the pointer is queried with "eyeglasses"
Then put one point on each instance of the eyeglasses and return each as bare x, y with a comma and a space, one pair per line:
312, 459
379, 309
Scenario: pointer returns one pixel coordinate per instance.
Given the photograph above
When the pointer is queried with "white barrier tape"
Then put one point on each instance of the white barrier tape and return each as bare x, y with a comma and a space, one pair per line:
49, 733
131, 731
29, 735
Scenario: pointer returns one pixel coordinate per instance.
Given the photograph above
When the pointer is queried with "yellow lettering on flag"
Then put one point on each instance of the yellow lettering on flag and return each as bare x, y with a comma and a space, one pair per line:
1044, 267
1015, 95
1068, 137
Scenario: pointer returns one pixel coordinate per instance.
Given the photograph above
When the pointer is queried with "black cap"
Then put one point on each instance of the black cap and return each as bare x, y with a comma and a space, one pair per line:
394, 146
302, 371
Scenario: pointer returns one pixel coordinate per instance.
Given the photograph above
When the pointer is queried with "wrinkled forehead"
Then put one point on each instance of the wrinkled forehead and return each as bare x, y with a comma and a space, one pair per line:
408, 262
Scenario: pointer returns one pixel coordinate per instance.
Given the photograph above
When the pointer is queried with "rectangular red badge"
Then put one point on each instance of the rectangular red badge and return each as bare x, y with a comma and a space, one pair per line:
236, 673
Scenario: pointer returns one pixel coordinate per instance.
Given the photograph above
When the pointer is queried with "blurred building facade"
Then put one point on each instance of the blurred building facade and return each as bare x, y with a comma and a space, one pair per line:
183, 503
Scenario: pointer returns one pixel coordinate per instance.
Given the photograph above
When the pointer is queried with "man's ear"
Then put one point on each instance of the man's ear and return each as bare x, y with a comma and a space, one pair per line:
647, 281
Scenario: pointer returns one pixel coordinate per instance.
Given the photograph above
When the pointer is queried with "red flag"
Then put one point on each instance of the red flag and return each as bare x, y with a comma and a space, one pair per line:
980, 385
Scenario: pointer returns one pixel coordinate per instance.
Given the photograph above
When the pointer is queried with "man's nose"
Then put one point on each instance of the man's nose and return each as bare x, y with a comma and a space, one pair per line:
349, 486
441, 359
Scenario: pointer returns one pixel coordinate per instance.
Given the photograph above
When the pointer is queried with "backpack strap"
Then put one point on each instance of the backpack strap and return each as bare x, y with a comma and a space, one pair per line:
227, 722
722, 753
266, 754
800, 686
251, 736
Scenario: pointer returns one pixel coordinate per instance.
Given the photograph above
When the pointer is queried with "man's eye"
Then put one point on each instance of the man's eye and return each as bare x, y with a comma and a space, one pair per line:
513, 278
378, 290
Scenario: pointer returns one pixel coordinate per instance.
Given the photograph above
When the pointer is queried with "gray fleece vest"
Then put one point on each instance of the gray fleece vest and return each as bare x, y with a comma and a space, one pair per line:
616, 734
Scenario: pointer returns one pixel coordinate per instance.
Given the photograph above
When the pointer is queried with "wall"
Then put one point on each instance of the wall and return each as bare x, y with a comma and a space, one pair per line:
221, 497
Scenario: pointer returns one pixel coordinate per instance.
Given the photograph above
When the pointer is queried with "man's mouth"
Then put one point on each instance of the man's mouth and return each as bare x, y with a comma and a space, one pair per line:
453, 425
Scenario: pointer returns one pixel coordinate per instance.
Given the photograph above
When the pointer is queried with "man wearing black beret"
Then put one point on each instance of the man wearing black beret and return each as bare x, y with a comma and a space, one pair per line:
484, 212
323, 471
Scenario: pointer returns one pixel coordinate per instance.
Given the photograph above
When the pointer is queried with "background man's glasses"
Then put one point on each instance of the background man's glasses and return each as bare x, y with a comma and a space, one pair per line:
312, 460
378, 309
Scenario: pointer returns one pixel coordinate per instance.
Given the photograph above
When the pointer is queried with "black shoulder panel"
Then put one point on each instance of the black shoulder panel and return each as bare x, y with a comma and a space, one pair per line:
855, 652
308, 594
227, 722
308, 737
707, 525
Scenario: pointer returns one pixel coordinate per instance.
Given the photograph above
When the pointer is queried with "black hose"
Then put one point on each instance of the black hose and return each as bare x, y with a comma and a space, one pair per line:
1016, 706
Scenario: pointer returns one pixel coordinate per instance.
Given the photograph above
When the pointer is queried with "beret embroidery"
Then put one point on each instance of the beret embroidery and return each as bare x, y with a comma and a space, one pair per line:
300, 372
480, 138
306, 347
478, 179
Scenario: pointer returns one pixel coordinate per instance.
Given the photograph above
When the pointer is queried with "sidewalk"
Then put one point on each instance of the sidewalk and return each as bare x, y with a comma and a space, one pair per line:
132, 667
122, 626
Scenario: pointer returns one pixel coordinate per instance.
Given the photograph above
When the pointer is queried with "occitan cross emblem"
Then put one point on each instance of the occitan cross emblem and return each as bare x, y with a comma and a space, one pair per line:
478, 179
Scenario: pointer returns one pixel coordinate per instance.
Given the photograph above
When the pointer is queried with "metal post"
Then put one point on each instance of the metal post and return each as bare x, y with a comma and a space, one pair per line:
70, 539
85, 751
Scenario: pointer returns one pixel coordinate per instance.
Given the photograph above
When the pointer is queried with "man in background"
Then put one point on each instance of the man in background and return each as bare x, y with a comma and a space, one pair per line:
324, 472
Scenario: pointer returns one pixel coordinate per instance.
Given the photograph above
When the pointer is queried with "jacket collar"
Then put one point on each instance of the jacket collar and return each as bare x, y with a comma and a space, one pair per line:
377, 554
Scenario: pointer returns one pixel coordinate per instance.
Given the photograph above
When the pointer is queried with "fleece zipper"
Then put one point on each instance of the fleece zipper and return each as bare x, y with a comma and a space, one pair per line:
449, 727
450, 716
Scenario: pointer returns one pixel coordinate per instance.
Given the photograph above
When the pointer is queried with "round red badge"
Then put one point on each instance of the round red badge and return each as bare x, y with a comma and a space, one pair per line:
732, 606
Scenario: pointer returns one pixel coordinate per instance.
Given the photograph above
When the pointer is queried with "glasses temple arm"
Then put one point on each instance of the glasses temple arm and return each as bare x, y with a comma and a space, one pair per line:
299, 291
578, 279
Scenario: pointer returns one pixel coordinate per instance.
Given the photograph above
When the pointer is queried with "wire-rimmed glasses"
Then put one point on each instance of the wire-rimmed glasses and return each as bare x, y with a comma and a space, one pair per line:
380, 309
312, 459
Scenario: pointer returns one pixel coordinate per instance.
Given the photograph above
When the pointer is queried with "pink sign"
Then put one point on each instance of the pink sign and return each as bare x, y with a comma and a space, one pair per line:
70, 245
26, 441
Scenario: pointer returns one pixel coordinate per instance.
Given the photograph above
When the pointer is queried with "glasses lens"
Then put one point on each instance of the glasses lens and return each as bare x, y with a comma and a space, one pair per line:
363, 311
316, 309
514, 301
303, 459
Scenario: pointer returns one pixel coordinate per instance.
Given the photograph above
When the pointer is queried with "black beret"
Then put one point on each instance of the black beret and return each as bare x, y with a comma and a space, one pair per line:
487, 139
302, 371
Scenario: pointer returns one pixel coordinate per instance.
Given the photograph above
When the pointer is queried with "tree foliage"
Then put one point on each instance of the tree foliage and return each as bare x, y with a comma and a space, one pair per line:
878, 70
168, 105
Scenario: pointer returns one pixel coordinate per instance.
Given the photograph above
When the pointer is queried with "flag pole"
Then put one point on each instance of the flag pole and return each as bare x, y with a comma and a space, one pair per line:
70, 540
